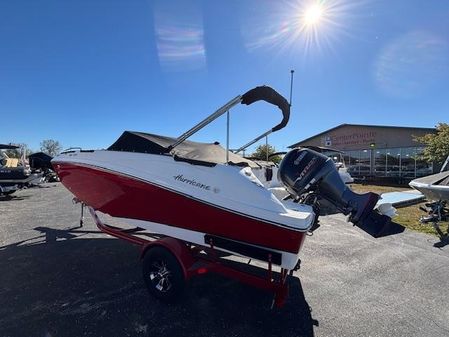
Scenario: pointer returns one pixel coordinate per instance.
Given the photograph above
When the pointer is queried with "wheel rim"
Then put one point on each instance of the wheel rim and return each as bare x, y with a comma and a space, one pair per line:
160, 276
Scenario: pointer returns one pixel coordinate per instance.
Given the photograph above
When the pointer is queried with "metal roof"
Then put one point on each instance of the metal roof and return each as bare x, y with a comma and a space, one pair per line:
358, 125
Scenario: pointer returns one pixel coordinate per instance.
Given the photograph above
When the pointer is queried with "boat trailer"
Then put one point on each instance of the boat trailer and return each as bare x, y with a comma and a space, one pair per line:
168, 263
437, 211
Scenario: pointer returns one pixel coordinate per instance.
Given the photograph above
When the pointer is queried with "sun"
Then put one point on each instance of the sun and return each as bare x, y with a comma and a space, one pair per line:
306, 25
313, 14
316, 21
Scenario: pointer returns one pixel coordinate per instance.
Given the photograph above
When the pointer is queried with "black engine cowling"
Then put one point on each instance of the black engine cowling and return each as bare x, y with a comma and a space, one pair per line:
303, 171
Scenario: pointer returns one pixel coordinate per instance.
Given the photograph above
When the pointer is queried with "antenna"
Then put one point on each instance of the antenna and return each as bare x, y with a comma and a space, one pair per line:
291, 85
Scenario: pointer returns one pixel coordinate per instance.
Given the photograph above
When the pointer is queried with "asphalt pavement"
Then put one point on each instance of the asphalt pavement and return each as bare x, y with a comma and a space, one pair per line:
60, 281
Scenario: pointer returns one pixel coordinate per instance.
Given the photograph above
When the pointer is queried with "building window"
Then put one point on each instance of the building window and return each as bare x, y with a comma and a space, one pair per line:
404, 163
380, 162
393, 162
352, 159
365, 162
423, 168
336, 157
408, 156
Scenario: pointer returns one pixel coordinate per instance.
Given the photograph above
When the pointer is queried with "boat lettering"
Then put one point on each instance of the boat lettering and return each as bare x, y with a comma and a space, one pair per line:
192, 182
307, 168
300, 157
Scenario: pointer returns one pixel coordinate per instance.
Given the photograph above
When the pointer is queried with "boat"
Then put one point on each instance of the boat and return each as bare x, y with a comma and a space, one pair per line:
14, 172
206, 195
40, 162
267, 172
436, 186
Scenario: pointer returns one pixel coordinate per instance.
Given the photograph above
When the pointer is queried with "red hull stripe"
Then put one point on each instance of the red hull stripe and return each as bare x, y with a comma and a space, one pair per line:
180, 193
128, 197
186, 195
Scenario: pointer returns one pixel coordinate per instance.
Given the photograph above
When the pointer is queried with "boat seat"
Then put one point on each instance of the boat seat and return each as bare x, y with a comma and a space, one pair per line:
12, 162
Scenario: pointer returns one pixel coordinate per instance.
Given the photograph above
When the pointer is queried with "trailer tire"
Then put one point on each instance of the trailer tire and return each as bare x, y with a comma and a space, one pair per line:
163, 274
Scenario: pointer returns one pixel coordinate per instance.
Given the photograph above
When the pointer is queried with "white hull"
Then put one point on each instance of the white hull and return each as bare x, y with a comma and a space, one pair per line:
261, 220
432, 192
289, 260
228, 187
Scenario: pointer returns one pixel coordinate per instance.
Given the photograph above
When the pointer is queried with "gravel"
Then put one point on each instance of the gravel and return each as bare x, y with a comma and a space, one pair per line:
58, 281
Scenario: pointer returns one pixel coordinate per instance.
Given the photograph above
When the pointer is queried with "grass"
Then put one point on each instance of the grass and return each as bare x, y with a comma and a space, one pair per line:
406, 216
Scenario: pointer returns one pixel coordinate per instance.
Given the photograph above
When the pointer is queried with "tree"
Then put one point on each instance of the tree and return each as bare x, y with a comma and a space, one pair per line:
261, 153
437, 144
51, 147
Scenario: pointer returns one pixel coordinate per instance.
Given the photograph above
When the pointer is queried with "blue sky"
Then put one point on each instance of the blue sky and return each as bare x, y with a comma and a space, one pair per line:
81, 72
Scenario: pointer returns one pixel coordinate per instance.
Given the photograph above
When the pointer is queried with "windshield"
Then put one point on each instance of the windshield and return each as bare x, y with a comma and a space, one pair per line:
336, 157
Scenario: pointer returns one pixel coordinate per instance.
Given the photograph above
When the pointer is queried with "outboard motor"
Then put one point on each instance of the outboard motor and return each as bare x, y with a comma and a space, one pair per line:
303, 171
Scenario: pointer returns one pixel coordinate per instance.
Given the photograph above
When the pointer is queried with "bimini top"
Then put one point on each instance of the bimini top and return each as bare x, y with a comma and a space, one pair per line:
208, 154
40, 160
8, 147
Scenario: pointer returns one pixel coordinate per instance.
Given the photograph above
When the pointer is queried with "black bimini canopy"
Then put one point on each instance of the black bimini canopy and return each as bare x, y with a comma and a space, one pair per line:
40, 160
208, 154
8, 147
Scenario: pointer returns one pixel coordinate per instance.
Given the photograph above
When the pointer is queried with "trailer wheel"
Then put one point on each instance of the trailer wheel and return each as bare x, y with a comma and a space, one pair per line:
163, 274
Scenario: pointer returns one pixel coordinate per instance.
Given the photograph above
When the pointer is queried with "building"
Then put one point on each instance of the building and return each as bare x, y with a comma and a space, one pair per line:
374, 151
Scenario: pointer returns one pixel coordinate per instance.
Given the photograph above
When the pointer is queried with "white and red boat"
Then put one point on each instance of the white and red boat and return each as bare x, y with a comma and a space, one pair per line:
204, 194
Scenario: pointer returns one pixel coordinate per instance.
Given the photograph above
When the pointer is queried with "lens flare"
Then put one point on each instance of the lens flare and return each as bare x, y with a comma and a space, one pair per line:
179, 40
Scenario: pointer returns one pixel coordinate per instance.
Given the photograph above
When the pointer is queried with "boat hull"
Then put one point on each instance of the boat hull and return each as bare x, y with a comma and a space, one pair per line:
432, 192
434, 187
169, 212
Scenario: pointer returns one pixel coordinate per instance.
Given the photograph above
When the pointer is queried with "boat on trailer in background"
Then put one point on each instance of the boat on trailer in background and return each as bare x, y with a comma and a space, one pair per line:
15, 173
337, 157
202, 202
267, 172
436, 189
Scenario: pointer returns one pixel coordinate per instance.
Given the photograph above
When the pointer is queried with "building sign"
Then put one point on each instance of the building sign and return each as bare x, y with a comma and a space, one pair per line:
353, 138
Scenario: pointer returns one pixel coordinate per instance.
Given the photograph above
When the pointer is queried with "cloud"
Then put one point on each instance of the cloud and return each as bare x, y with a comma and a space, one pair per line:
411, 64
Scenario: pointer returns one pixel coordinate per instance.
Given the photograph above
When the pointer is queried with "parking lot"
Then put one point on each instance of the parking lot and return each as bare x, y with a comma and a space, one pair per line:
58, 281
